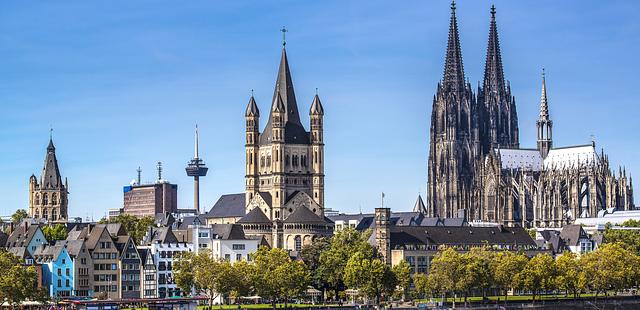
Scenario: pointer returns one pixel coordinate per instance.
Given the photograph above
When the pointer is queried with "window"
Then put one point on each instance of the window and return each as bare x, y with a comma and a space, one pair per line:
238, 246
83, 261
59, 272
238, 257
67, 272
67, 283
298, 243
227, 257
59, 283
64, 261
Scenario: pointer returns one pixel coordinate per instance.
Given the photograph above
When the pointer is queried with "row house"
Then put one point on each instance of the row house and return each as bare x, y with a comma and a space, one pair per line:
57, 269
24, 240
164, 246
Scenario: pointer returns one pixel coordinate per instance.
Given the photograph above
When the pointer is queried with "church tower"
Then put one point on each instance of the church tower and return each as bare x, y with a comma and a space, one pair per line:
544, 123
284, 162
499, 118
48, 198
454, 144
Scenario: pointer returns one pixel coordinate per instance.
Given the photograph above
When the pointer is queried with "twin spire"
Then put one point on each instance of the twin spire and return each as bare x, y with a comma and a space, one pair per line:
453, 69
493, 71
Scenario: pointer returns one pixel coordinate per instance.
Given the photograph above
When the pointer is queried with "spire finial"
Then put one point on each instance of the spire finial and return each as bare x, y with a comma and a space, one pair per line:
493, 11
316, 91
284, 36
453, 6
252, 92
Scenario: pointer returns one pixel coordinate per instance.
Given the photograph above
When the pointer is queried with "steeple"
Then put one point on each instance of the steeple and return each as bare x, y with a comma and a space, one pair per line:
252, 108
316, 106
419, 206
453, 70
493, 72
50, 177
294, 131
544, 104
544, 123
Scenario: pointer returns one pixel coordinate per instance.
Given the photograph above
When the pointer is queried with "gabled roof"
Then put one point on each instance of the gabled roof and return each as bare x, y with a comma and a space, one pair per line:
20, 252
47, 253
95, 235
116, 229
159, 235
419, 206
255, 216
228, 231
74, 247
303, 215
230, 205
571, 234
266, 197
22, 235
164, 219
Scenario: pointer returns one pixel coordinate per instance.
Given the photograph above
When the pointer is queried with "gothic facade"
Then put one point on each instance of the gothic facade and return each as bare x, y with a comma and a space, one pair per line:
284, 194
477, 169
48, 197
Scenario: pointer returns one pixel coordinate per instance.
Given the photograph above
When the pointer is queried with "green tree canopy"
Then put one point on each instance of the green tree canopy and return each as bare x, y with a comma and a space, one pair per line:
505, 266
570, 275
538, 274
19, 215
371, 276
612, 266
17, 282
275, 275
136, 227
55, 232
333, 259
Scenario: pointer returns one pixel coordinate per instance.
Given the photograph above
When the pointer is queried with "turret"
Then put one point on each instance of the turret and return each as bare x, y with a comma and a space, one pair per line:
544, 123
316, 115
252, 121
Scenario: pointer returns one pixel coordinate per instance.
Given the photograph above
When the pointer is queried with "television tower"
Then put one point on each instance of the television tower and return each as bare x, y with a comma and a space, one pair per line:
196, 169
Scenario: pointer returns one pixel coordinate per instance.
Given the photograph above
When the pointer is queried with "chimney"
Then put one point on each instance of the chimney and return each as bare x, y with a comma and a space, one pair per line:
383, 235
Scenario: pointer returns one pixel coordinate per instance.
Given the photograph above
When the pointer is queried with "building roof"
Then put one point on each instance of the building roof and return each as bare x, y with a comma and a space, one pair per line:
47, 253
303, 215
255, 216
164, 219
412, 236
74, 247
50, 177
3, 239
230, 205
228, 231
574, 156
571, 234
419, 206
22, 235
159, 235
294, 132
524, 159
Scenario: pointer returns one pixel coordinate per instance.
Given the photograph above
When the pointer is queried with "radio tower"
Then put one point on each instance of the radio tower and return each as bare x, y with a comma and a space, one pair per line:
196, 169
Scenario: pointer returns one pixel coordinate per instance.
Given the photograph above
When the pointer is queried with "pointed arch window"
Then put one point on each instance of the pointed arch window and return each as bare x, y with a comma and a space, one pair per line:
37, 198
298, 243
54, 215
45, 214
45, 199
37, 213
54, 198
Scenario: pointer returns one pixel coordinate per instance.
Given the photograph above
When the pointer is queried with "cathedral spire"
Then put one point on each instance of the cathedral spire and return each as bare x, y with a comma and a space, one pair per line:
453, 70
493, 72
284, 86
544, 104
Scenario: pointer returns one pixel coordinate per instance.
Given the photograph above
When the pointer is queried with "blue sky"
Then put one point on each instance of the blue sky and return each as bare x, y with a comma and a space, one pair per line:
124, 82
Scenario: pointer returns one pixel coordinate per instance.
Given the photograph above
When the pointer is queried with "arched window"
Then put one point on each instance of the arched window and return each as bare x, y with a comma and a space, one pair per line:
45, 199
45, 214
37, 199
54, 215
53, 198
298, 243
37, 213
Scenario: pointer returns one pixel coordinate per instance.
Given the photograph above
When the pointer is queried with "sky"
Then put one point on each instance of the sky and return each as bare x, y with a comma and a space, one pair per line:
123, 84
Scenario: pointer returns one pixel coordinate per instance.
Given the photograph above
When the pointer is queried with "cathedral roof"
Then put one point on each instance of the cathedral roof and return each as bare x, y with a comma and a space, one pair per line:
231, 205
453, 78
255, 216
50, 177
557, 158
493, 72
294, 131
303, 215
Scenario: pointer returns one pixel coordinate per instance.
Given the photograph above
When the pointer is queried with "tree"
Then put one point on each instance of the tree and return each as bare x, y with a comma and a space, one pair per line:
275, 275
402, 272
310, 255
630, 239
183, 271
19, 215
137, 227
610, 267
371, 276
570, 273
17, 282
55, 232
334, 259
506, 266
538, 274
475, 271
444, 272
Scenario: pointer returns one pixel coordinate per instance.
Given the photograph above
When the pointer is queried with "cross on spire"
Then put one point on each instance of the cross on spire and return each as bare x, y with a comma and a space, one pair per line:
284, 35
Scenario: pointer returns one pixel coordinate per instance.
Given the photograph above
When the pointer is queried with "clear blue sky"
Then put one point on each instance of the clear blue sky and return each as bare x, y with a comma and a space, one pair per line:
124, 82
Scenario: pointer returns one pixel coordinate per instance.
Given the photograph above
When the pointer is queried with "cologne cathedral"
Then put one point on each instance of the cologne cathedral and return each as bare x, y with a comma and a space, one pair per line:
477, 169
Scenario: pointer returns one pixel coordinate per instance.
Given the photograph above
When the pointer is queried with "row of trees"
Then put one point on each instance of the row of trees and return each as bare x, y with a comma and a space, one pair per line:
346, 260
272, 274
611, 268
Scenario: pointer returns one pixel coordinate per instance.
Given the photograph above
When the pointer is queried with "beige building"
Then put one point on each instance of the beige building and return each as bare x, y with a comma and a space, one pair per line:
48, 197
283, 200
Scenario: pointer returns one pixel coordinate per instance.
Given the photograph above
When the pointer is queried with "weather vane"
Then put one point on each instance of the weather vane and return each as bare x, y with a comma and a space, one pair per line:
284, 35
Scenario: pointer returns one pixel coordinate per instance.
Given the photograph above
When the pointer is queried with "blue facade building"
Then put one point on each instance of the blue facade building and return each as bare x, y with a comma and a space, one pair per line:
57, 269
